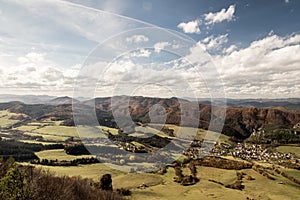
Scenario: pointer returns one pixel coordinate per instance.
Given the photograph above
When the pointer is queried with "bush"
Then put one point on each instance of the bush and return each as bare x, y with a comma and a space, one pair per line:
13, 186
25, 182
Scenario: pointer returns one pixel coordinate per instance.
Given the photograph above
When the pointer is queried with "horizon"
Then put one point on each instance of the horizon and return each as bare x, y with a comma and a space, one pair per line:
53, 97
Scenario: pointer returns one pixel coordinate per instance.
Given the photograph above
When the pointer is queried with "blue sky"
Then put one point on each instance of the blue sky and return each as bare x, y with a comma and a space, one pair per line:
254, 46
253, 19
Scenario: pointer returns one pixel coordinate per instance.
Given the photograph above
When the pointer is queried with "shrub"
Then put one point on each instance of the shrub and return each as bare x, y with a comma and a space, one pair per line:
28, 183
13, 186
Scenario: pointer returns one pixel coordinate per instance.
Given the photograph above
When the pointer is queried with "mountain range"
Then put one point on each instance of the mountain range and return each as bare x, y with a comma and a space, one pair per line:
239, 122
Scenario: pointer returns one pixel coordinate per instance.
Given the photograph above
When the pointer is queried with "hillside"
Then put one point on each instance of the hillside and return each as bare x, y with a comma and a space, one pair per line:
239, 122
62, 101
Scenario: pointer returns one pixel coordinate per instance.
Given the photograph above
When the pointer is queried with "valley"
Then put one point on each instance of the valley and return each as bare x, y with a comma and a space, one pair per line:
264, 159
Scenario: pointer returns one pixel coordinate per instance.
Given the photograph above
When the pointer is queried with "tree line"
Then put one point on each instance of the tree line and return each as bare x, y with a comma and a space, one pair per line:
75, 162
21, 151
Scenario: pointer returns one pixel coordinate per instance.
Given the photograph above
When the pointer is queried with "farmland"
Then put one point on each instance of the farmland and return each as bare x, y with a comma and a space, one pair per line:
152, 185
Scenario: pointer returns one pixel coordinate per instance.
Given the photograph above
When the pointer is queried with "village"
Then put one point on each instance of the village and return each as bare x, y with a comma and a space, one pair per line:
245, 151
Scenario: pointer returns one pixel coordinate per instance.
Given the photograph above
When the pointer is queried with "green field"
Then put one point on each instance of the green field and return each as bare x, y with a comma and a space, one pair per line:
196, 133
27, 128
58, 154
93, 171
48, 137
293, 172
260, 188
5, 118
37, 142
113, 131
289, 149
59, 133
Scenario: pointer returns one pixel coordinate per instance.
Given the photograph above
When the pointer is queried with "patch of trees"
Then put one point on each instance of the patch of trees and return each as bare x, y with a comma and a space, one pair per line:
186, 180
23, 151
106, 118
237, 185
263, 171
77, 149
283, 136
68, 122
166, 130
75, 162
106, 182
28, 183
35, 110
80, 149
297, 181
277, 136
154, 141
218, 162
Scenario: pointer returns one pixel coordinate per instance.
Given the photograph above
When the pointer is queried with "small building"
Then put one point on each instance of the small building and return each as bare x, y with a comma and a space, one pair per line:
297, 125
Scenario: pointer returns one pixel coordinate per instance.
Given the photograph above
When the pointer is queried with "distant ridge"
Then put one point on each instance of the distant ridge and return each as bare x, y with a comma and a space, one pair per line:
27, 99
287, 103
62, 101
280, 103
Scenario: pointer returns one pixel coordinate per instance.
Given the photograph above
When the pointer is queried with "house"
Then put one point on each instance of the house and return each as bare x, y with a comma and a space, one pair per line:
297, 125
296, 128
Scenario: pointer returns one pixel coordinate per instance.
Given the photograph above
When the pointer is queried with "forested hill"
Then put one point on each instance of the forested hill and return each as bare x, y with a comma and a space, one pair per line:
239, 122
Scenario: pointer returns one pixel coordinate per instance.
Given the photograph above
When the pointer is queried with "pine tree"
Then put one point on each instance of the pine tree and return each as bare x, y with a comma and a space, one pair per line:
13, 186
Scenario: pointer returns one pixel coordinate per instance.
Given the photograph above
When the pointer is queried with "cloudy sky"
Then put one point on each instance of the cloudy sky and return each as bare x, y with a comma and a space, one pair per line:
195, 48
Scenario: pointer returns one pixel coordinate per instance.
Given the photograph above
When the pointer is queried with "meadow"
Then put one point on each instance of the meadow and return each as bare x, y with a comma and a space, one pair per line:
5, 118
163, 187
289, 149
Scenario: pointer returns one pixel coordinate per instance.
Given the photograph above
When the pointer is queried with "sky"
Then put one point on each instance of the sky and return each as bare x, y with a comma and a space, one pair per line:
192, 48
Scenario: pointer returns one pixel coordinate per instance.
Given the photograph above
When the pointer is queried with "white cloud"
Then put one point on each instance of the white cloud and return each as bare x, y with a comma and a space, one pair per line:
215, 43
66, 42
230, 49
141, 53
190, 27
222, 15
34, 72
137, 39
268, 67
159, 46
287, 1
127, 77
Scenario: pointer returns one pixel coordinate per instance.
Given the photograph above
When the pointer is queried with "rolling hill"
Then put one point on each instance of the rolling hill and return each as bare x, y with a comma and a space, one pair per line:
239, 122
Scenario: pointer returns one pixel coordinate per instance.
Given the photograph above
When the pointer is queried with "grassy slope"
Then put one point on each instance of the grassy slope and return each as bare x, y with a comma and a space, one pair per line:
93, 171
163, 187
56, 132
260, 188
4, 118
58, 154
200, 133
289, 149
